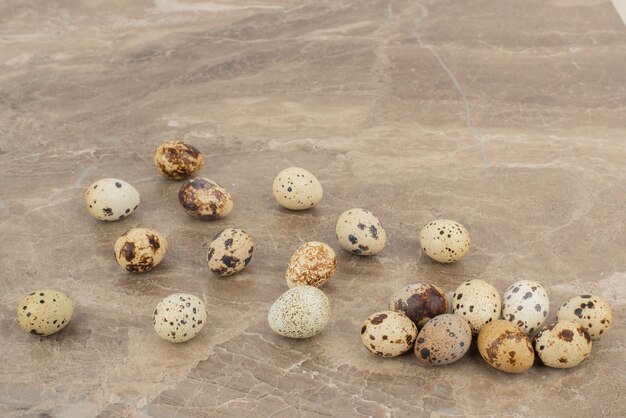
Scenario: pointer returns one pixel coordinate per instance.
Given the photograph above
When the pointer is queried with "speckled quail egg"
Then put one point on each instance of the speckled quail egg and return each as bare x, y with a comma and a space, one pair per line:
505, 347
360, 232
177, 160
590, 311
563, 345
140, 250
478, 301
179, 317
230, 252
111, 199
205, 199
420, 302
297, 189
443, 340
313, 264
45, 312
300, 312
526, 304
388, 333
445, 241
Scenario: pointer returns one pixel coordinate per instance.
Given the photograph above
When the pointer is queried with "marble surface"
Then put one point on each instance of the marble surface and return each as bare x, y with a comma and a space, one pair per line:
507, 116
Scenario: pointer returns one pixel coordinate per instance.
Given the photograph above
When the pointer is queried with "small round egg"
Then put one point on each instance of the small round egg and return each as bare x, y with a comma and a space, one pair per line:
505, 347
563, 345
45, 312
526, 304
140, 250
360, 232
230, 252
205, 199
313, 264
177, 160
443, 340
445, 241
179, 317
111, 199
297, 189
477, 301
420, 302
591, 311
388, 333
300, 312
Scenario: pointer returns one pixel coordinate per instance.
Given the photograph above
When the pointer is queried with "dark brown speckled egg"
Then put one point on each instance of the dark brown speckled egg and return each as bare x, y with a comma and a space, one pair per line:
420, 302
205, 199
177, 160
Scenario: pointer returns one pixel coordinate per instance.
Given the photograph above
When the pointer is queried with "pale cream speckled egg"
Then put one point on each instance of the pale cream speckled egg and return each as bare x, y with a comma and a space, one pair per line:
420, 302
297, 189
563, 345
140, 250
360, 232
443, 340
388, 333
45, 312
300, 312
526, 304
230, 252
477, 301
505, 347
179, 317
313, 263
111, 199
203, 198
591, 311
445, 241
177, 160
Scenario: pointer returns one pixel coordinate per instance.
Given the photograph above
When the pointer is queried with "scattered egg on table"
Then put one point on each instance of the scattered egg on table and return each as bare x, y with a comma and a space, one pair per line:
111, 199
526, 304
478, 302
300, 312
445, 241
443, 340
45, 312
313, 264
205, 199
420, 302
505, 347
388, 333
591, 311
360, 232
297, 189
177, 160
230, 252
563, 345
179, 317
140, 250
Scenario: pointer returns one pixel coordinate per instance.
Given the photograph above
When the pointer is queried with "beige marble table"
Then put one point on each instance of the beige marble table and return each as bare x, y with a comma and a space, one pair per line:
507, 116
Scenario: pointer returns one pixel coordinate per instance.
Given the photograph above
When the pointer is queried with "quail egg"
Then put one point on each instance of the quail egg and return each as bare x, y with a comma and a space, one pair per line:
205, 199
140, 250
45, 312
591, 311
313, 264
477, 301
420, 302
177, 160
297, 189
179, 317
445, 241
388, 333
230, 252
505, 347
563, 345
360, 232
526, 304
111, 199
443, 340
300, 312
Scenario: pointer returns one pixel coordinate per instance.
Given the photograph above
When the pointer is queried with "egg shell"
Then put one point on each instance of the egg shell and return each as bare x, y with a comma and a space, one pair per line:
300, 312
563, 345
526, 304
420, 302
313, 263
360, 232
177, 160
205, 199
388, 333
445, 241
297, 189
443, 340
139, 250
505, 347
45, 312
111, 199
179, 317
478, 302
230, 252
591, 311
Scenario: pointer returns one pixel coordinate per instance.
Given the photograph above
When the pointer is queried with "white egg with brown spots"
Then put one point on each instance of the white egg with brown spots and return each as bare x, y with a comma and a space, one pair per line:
445, 241
300, 312
140, 250
591, 311
313, 263
443, 340
204, 199
505, 347
45, 312
297, 189
526, 304
563, 345
478, 302
177, 160
388, 333
111, 199
230, 252
179, 317
360, 232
